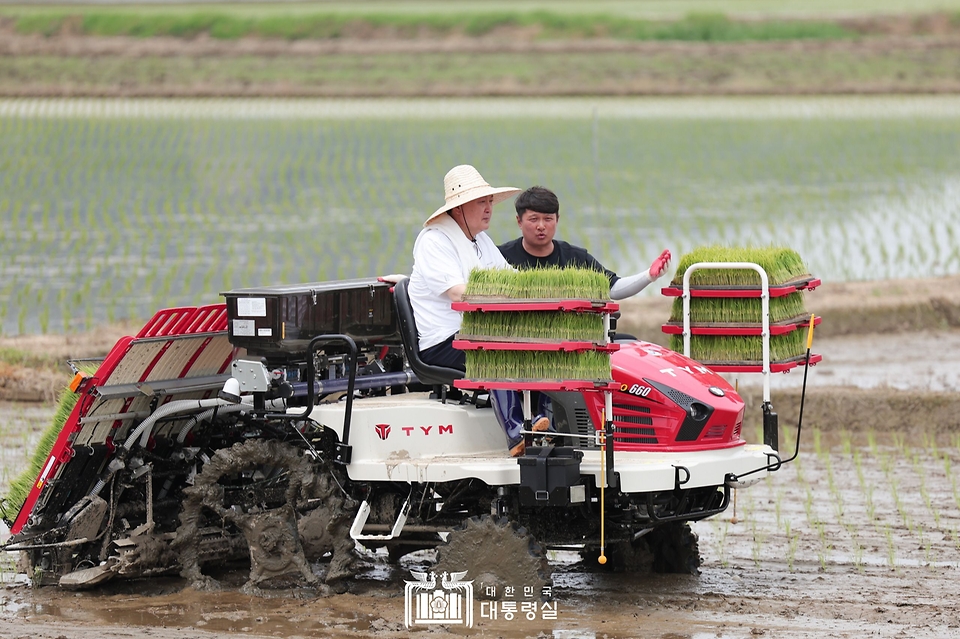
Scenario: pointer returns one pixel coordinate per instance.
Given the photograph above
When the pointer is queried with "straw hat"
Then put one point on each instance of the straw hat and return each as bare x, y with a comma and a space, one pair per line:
464, 184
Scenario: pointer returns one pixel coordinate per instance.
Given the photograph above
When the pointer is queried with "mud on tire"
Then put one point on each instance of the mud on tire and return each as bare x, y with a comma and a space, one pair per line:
496, 553
675, 548
669, 548
270, 529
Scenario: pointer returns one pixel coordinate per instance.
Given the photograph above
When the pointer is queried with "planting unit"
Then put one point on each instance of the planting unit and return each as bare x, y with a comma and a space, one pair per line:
292, 423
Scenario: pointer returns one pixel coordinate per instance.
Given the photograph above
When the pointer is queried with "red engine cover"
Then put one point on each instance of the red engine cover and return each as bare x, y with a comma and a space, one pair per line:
668, 402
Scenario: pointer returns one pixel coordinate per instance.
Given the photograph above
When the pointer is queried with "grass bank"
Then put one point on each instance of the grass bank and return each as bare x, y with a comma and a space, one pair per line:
667, 70
697, 27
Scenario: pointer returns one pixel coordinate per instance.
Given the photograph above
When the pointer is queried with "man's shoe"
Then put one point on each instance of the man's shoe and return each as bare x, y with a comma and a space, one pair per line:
518, 450
541, 425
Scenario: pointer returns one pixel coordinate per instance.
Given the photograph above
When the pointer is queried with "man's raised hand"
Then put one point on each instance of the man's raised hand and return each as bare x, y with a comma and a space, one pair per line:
660, 265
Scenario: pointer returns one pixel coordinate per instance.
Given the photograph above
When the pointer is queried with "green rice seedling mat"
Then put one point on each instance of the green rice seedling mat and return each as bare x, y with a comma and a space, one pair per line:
740, 328
739, 310
538, 365
20, 487
539, 284
533, 326
738, 349
783, 266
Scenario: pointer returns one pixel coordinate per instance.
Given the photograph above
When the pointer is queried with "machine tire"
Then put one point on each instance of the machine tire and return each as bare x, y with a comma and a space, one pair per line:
669, 548
415, 542
270, 535
495, 553
622, 556
675, 548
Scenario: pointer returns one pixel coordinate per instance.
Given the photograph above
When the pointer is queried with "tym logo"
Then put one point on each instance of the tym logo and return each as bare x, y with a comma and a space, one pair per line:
672, 372
428, 430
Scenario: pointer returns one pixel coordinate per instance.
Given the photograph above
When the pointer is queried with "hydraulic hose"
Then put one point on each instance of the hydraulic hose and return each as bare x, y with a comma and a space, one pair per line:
207, 414
223, 410
142, 432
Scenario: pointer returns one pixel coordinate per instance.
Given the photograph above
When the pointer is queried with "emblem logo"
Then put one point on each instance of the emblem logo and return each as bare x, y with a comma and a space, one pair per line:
383, 430
451, 602
717, 391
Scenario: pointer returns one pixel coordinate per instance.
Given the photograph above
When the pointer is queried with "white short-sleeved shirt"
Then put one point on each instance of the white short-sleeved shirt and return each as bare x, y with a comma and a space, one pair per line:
443, 258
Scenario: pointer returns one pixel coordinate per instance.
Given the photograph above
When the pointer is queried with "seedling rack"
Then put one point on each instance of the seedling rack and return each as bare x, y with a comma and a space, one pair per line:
509, 304
764, 330
746, 329
779, 290
521, 305
604, 307
764, 292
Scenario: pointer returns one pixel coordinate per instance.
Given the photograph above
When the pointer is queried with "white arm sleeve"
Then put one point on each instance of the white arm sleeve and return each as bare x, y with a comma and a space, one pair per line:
628, 286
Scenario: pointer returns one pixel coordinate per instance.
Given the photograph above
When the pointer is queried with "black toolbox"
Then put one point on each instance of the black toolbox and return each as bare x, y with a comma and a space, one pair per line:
550, 476
274, 320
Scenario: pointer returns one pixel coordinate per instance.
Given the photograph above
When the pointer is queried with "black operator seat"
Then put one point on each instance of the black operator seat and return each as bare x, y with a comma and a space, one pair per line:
427, 373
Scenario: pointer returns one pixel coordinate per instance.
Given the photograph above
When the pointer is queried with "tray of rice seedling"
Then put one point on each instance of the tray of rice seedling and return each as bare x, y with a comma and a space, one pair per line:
483, 342
552, 367
778, 366
737, 353
537, 327
776, 290
786, 273
538, 289
536, 384
740, 328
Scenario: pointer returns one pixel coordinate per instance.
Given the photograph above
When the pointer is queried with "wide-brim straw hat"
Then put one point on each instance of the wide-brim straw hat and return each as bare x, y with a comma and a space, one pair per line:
464, 184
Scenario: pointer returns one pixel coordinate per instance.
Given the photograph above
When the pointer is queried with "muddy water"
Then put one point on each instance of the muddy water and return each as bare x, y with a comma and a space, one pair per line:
924, 361
859, 537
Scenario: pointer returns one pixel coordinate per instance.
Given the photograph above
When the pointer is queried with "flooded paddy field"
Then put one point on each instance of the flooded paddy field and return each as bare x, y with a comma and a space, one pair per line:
115, 208
859, 537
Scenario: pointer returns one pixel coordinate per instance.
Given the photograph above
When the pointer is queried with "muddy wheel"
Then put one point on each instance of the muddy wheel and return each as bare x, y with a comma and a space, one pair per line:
670, 548
675, 548
413, 543
253, 488
497, 554
622, 556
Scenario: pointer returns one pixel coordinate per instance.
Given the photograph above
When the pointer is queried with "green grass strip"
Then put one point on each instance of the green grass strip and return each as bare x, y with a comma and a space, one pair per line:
781, 264
20, 487
536, 325
738, 310
701, 27
16, 357
539, 283
733, 349
538, 365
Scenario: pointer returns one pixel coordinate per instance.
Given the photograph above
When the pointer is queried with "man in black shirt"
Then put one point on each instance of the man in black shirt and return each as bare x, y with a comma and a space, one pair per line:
538, 212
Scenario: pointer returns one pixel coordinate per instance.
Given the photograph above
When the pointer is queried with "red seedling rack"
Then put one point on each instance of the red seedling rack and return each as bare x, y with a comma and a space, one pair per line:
474, 344
776, 328
536, 385
778, 366
470, 342
780, 290
764, 329
506, 304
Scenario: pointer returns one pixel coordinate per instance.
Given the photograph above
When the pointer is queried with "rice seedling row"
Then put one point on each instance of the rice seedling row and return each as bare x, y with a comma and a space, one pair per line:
107, 218
854, 500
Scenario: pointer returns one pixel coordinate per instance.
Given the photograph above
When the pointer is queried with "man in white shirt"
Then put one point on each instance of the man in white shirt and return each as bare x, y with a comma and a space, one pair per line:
452, 243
